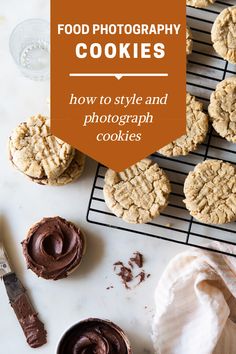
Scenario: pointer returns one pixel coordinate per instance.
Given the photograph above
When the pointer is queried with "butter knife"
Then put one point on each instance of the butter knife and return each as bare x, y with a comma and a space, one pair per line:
32, 327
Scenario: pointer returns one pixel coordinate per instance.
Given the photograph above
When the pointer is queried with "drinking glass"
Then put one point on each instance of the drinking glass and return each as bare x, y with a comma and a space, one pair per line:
30, 48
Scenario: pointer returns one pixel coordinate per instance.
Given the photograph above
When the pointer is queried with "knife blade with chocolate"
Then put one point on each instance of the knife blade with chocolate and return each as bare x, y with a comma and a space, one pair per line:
32, 327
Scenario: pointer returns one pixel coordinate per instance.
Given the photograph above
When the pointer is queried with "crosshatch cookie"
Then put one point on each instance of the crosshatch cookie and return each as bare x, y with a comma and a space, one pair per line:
72, 173
210, 192
189, 41
36, 152
139, 193
197, 128
199, 3
222, 109
223, 34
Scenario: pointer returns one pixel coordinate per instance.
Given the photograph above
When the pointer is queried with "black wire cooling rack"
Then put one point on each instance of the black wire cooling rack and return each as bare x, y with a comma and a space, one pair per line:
205, 69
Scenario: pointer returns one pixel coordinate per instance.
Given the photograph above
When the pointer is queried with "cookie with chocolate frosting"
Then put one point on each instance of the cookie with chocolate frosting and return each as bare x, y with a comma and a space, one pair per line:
53, 248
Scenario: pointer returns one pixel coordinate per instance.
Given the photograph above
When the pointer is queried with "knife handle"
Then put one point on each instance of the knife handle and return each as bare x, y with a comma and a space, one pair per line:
32, 327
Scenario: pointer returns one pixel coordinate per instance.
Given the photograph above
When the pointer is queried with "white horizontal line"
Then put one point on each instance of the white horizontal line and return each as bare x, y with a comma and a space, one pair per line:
118, 75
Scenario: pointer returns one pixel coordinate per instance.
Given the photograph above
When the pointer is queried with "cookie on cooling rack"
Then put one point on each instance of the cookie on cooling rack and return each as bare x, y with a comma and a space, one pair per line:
222, 109
189, 41
139, 193
223, 34
210, 192
200, 3
196, 130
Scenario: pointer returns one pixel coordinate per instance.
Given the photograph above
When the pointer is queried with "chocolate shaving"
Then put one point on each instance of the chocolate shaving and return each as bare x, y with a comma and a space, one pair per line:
117, 264
141, 276
126, 274
131, 264
129, 273
137, 259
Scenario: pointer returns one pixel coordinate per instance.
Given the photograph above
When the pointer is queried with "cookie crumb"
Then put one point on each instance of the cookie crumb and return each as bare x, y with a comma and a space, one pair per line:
110, 287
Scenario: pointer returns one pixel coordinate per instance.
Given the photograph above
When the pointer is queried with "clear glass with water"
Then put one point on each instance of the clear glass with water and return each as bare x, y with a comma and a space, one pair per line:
30, 48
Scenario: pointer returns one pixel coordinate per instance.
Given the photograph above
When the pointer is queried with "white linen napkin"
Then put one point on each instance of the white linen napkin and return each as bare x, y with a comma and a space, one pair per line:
196, 304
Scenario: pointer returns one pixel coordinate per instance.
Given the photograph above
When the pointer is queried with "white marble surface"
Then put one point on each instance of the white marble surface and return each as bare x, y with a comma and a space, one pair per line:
65, 302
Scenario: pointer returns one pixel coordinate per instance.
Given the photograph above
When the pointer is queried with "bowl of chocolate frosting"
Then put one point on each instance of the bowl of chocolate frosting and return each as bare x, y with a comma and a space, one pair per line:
92, 336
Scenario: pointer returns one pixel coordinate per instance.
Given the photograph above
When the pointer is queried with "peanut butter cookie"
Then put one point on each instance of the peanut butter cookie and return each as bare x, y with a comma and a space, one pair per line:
200, 3
210, 192
223, 34
222, 109
197, 128
139, 193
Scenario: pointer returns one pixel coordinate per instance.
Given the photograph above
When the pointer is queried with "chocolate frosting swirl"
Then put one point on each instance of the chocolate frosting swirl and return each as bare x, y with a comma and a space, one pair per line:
94, 336
53, 248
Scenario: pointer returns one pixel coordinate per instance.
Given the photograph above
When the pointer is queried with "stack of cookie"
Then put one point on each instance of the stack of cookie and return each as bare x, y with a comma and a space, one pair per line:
42, 157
